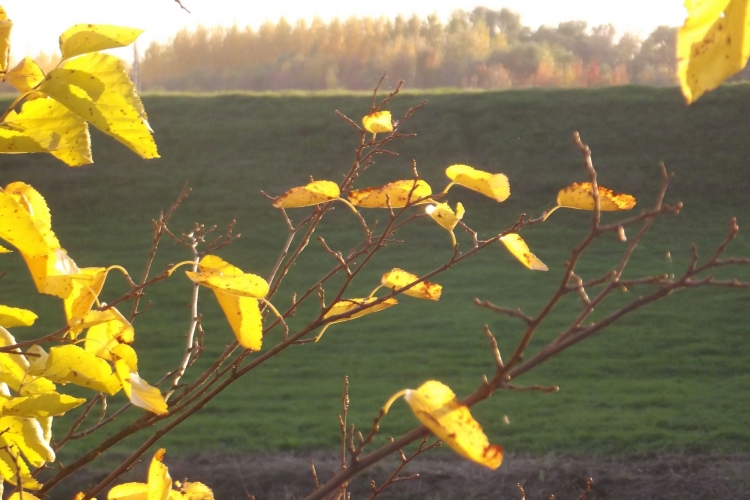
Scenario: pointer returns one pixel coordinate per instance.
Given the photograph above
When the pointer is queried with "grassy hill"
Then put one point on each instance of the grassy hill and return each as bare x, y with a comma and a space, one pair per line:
672, 377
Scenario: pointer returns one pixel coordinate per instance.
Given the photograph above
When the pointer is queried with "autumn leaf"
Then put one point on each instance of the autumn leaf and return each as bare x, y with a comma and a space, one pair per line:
447, 218
158, 487
71, 364
140, 393
311, 194
45, 125
51, 404
520, 250
436, 406
85, 287
344, 306
395, 194
25, 75
5, 27
26, 435
580, 196
106, 330
398, 278
28, 233
238, 294
12, 466
378, 122
495, 186
97, 88
13, 316
14, 369
85, 38
712, 45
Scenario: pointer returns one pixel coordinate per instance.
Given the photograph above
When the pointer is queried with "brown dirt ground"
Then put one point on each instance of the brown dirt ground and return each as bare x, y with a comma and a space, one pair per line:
286, 476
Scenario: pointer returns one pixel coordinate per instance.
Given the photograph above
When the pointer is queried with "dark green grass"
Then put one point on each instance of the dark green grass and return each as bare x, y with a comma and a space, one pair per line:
671, 377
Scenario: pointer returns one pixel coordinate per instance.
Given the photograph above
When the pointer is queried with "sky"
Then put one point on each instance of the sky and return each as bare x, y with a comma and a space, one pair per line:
38, 23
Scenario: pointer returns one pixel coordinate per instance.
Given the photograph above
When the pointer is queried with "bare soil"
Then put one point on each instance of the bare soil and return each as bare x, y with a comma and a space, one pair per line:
287, 476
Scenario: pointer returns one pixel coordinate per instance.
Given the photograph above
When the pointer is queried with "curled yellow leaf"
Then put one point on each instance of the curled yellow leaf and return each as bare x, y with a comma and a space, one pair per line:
378, 122
13, 316
140, 392
343, 306
495, 186
311, 194
217, 274
520, 250
580, 195
106, 330
398, 278
396, 194
712, 45
436, 406
447, 218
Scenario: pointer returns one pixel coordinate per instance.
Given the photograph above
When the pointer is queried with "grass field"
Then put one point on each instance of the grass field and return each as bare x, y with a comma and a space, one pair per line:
671, 378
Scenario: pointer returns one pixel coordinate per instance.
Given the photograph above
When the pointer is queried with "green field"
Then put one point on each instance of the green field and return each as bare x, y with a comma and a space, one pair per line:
670, 378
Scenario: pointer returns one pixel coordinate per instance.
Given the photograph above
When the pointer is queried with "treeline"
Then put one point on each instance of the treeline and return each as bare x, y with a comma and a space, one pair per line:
483, 49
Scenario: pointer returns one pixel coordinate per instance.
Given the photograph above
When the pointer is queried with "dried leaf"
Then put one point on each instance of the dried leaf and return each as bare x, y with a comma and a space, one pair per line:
310, 194
495, 186
378, 122
398, 278
712, 45
580, 195
396, 194
520, 250
436, 406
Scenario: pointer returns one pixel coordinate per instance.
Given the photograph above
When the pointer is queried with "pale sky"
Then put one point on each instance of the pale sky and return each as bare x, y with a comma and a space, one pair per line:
38, 23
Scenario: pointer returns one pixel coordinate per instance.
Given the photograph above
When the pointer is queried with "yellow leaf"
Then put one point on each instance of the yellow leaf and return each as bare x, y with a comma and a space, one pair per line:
5, 250
55, 128
126, 353
712, 45
495, 186
97, 88
25, 75
18, 227
159, 480
395, 193
71, 364
436, 406
86, 284
11, 467
26, 435
579, 195
13, 367
50, 404
85, 38
397, 278
219, 275
140, 393
5, 27
196, 491
520, 250
345, 305
447, 218
378, 122
54, 273
310, 194
129, 491
243, 314
22, 496
13, 316
106, 330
